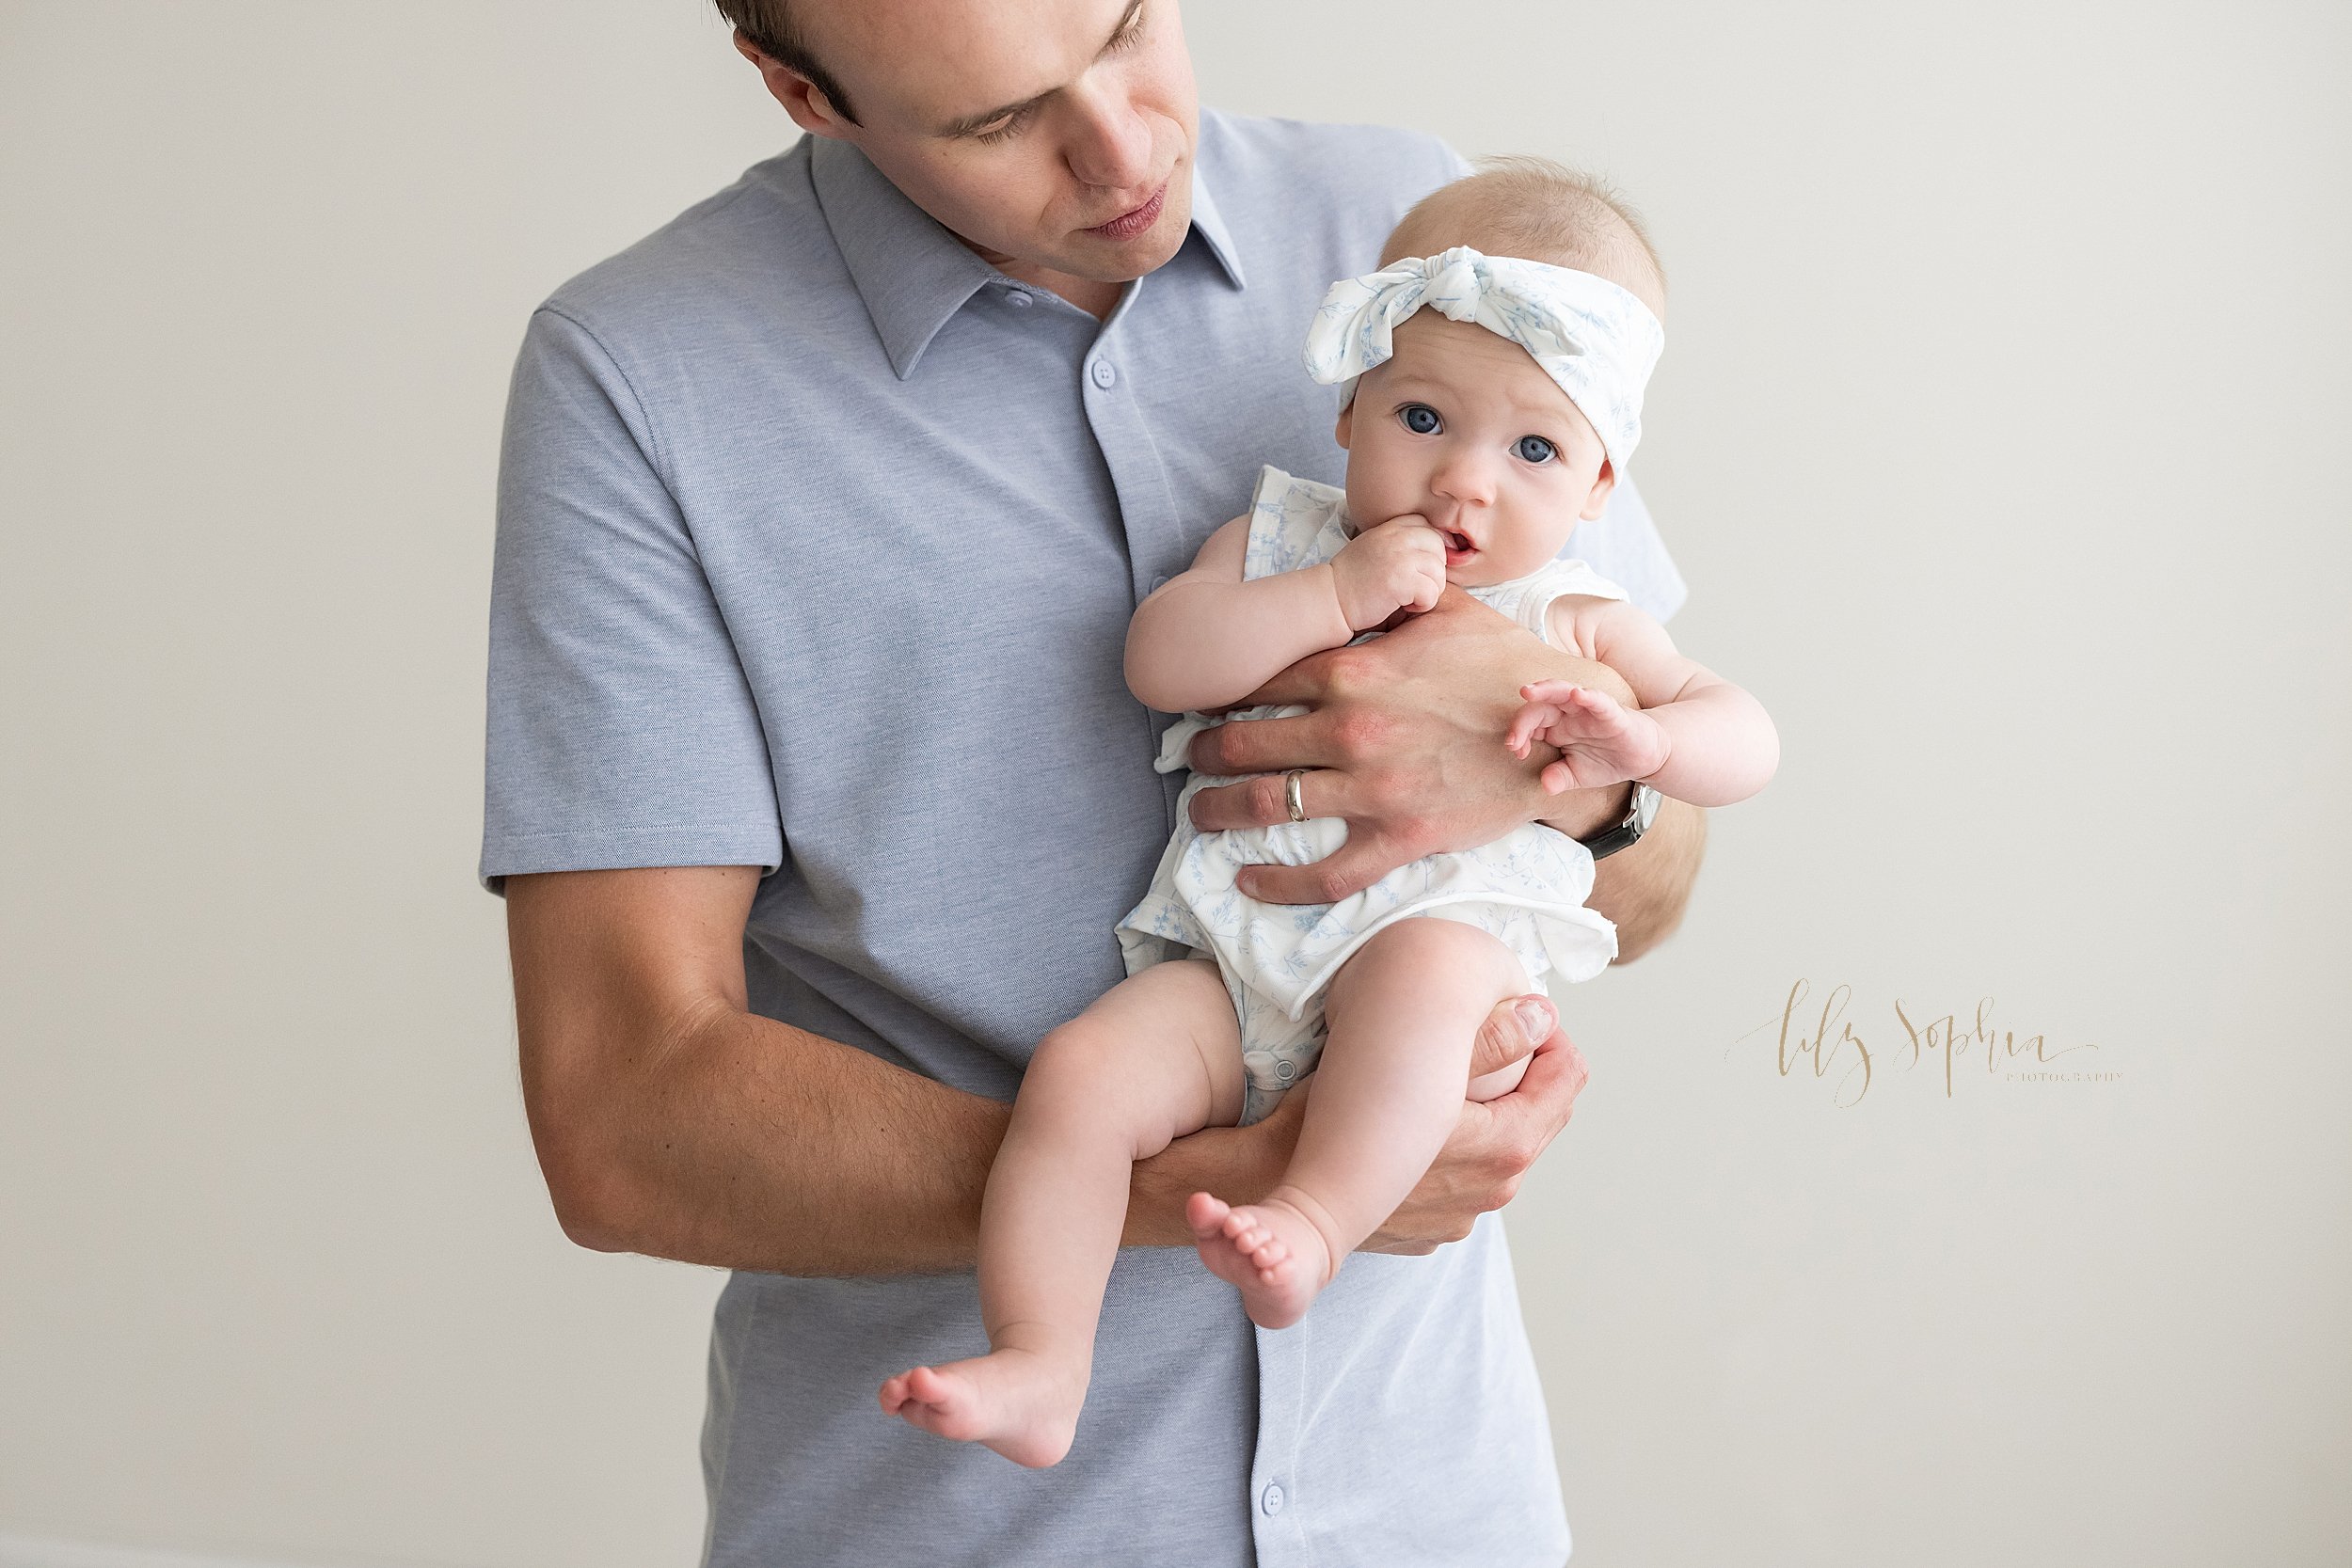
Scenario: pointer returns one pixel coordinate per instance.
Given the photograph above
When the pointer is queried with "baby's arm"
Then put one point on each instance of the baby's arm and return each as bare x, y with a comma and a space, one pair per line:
1207, 638
1696, 736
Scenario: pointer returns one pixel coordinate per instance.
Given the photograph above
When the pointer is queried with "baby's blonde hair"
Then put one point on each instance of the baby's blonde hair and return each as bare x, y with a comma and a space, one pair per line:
1540, 211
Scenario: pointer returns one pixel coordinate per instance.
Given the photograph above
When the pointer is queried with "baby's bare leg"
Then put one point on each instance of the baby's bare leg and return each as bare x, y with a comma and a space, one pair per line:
1402, 1016
1156, 1057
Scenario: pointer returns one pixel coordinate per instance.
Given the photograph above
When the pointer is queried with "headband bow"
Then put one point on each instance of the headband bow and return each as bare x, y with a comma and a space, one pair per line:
1595, 340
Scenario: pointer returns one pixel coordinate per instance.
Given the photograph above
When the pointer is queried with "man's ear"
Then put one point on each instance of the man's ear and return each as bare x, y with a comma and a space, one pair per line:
1603, 482
1341, 430
810, 109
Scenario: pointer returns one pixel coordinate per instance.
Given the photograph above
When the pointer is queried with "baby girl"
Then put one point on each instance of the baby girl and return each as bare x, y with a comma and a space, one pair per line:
1479, 430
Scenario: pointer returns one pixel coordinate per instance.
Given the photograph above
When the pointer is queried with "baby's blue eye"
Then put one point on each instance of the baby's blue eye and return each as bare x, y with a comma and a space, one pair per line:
1420, 419
1535, 449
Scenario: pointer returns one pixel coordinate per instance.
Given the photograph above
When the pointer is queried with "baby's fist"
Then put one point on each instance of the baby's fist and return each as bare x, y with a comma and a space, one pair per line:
1397, 565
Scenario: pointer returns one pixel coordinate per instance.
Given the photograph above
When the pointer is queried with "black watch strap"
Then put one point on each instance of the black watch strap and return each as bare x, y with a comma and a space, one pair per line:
1641, 810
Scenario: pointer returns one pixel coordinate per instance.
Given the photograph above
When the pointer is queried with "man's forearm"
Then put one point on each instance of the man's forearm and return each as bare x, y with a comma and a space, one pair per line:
1646, 887
754, 1145
670, 1119
749, 1144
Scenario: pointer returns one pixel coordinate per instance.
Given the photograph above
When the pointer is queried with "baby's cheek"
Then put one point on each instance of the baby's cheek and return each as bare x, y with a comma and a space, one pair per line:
1375, 491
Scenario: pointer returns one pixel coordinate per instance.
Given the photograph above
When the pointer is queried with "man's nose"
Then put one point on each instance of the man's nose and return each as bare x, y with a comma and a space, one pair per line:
1110, 144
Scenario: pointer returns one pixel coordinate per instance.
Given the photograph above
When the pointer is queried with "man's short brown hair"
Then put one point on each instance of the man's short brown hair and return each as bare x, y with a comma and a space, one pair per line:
767, 28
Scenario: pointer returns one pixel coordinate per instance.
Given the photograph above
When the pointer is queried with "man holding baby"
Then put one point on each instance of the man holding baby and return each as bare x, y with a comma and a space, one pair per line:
816, 790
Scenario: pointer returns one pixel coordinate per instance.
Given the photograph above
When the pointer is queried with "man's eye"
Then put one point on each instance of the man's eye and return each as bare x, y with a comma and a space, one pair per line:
1003, 128
1420, 419
1535, 449
1131, 33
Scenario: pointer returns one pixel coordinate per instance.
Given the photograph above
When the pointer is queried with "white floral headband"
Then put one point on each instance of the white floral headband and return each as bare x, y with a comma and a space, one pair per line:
1598, 341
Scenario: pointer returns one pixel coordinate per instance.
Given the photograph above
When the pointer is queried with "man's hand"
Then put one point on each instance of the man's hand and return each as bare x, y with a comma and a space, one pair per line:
1404, 742
1493, 1145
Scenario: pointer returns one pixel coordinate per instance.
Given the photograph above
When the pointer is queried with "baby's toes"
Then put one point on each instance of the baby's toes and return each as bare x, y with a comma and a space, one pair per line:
1207, 1214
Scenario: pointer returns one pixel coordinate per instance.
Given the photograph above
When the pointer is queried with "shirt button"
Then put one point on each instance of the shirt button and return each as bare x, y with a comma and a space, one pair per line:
1017, 297
1272, 1498
1159, 583
1104, 376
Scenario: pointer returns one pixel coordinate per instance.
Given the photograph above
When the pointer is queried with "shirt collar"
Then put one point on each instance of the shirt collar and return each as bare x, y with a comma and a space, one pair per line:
1209, 224
911, 272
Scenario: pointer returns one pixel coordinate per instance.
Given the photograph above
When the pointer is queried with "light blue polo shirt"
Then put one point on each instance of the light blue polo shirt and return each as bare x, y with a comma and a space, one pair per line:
817, 539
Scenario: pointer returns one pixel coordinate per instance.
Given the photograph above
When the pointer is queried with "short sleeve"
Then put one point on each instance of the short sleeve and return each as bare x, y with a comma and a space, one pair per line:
621, 729
1621, 545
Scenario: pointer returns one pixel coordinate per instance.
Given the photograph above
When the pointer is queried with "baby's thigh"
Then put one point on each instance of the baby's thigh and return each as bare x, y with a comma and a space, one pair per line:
1440, 974
1158, 1054
1429, 963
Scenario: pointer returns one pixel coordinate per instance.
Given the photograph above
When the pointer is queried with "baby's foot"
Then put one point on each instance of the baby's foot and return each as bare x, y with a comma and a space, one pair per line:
1018, 1402
1270, 1252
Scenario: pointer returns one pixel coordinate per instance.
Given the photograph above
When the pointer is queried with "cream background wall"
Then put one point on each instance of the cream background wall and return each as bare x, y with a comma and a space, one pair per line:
2001, 440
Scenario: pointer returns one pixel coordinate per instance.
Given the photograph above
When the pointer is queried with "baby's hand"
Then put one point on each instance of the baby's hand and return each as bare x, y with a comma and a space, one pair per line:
1398, 565
1600, 741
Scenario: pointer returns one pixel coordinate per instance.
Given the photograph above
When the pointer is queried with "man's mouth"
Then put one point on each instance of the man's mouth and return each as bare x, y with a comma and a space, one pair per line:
1135, 220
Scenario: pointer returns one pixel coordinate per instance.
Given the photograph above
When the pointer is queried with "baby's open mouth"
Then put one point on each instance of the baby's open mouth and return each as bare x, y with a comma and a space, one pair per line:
1458, 543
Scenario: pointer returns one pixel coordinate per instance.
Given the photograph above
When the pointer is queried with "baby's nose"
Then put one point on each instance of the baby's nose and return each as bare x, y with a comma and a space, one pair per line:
1465, 479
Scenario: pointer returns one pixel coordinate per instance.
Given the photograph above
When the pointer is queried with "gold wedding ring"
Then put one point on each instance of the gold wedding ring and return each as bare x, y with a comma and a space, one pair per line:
1290, 795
